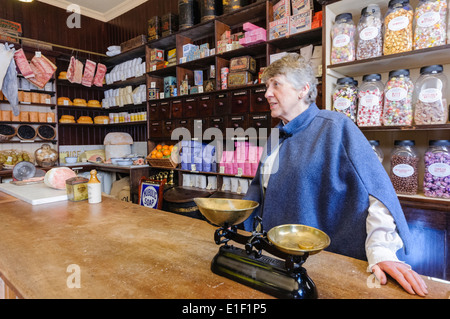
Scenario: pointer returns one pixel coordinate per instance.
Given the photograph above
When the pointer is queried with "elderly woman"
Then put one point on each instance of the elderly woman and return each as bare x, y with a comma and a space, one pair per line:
323, 173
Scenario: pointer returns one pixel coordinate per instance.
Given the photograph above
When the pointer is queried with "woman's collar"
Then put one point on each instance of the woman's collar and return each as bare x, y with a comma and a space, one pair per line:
300, 122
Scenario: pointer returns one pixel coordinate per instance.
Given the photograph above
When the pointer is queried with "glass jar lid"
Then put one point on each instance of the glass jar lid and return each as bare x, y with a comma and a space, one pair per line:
439, 142
404, 72
431, 69
346, 80
371, 77
404, 143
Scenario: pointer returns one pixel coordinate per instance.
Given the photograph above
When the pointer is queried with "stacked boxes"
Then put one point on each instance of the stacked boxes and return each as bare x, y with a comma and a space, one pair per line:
287, 22
252, 35
243, 161
241, 70
196, 156
157, 60
193, 52
229, 41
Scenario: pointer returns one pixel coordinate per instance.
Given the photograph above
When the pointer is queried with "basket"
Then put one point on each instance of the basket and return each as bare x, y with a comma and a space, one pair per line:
4, 130
46, 132
169, 162
26, 132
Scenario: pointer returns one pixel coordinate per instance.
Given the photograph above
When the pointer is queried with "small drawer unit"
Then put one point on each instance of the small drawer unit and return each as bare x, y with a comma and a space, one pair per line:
222, 104
260, 120
190, 107
155, 128
164, 111
205, 106
168, 127
177, 108
238, 121
153, 111
259, 102
240, 102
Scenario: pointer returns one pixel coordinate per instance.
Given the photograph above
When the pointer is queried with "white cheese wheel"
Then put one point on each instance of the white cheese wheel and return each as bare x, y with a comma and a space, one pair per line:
118, 138
56, 177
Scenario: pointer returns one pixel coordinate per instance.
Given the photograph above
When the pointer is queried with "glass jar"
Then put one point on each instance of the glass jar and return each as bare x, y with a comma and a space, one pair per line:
344, 97
430, 103
398, 91
436, 180
430, 19
398, 34
369, 33
343, 39
370, 101
403, 174
377, 149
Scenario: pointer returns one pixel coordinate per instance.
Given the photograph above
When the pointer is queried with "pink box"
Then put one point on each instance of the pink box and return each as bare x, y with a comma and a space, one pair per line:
247, 26
248, 169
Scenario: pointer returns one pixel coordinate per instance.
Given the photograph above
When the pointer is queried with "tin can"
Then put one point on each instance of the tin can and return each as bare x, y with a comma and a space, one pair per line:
224, 77
232, 5
76, 188
209, 9
186, 10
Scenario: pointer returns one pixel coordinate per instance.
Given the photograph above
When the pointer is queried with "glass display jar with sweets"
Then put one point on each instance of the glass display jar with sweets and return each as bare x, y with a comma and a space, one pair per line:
398, 92
344, 97
430, 17
370, 101
398, 31
343, 39
436, 180
369, 33
404, 171
430, 102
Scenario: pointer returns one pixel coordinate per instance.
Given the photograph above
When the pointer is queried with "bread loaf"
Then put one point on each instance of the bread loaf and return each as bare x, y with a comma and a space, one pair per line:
85, 120
101, 119
118, 138
79, 102
64, 101
94, 103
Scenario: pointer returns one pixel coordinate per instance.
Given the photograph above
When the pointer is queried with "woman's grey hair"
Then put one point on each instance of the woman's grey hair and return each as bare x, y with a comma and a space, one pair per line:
298, 72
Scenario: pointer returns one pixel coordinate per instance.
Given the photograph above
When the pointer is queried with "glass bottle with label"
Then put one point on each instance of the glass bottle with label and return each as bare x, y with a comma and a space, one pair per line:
344, 97
398, 32
398, 92
343, 39
377, 149
94, 189
430, 102
370, 101
430, 17
436, 180
404, 162
369, 33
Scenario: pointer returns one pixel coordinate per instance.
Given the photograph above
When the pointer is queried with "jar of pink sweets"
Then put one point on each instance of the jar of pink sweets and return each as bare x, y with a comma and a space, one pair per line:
398, 92
343, 39
436, 180
344, 97
370, 101
430, 103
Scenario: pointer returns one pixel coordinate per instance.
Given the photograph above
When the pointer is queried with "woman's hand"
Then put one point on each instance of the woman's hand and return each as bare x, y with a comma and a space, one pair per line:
403, 274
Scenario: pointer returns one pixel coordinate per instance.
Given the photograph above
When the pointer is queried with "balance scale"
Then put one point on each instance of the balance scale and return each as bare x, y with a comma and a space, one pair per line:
283, 275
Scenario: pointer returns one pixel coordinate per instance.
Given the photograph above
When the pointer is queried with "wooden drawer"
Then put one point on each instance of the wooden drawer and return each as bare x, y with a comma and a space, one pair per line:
190, 107
186, 123
177, 109
222, 104
155, 129
261, 120
205, 106
240, 102
153, 112
164, 111
258, 101
218, 122
199, 126
238, 121
168, 127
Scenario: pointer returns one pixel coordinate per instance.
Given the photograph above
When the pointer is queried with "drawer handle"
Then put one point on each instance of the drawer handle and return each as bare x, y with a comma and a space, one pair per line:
205, 105
239, 102
189, 107
259, 99
220, 103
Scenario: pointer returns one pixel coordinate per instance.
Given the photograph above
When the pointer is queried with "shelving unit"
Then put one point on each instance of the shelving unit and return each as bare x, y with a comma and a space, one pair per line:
427, 217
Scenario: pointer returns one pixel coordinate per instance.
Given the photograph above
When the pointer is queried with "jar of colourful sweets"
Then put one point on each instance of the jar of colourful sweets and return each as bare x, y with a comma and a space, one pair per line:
344, 97
343, 39
370, 101
398, 91
430, 102
436, 180
404, 162
369, 33
430, 20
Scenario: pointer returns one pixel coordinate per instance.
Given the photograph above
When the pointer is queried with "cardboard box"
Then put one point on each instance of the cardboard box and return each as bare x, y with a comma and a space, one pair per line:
279, 28
300, 22
281, 9
169, 24
133, 43
154, 28
299, 6
156, 55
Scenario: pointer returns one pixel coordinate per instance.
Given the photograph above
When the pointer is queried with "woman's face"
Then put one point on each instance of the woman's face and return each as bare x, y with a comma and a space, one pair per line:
283, 98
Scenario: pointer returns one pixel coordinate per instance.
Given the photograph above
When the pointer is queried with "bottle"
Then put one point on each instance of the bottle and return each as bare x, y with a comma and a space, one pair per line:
370, 101
344, 97
430, 102
398, 92
404, 162
343, 39
436, 180
377, 149
94, 189
430, 17
398, 32
369, 33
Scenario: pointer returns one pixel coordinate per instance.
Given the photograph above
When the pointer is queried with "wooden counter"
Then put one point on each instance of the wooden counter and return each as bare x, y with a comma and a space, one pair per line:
128, 251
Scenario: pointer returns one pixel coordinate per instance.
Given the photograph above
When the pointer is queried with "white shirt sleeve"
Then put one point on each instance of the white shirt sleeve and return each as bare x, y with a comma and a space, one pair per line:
382, 240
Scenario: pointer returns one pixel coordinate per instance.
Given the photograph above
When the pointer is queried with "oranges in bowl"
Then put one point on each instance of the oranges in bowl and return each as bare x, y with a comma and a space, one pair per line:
162, 151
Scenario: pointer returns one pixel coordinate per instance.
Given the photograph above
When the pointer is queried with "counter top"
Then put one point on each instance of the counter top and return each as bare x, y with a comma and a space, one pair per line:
124, 250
